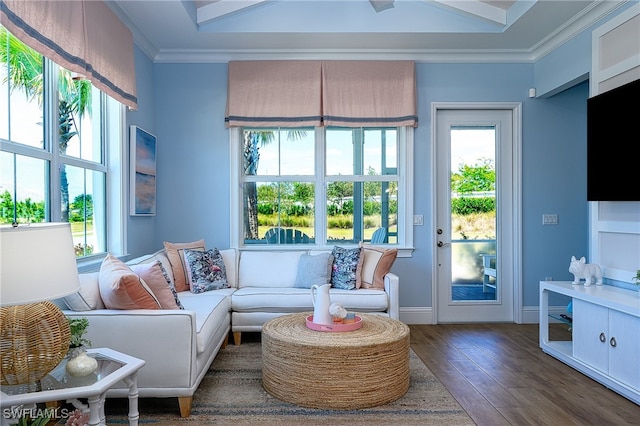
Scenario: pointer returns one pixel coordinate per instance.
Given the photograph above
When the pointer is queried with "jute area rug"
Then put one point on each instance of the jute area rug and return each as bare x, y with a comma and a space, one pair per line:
232, 393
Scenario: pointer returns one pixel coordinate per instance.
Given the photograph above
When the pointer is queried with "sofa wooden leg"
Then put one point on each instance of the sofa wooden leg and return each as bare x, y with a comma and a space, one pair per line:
185, 405
225, 342
236, 338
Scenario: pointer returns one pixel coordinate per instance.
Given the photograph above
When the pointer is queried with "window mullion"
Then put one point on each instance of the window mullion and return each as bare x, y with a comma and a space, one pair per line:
320, 203
83, 164
27, 151
50, 132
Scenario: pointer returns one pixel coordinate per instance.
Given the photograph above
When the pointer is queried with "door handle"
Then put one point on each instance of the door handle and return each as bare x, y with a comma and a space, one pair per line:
441, 244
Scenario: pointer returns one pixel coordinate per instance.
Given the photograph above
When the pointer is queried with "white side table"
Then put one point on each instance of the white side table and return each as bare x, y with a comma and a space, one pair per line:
113, 367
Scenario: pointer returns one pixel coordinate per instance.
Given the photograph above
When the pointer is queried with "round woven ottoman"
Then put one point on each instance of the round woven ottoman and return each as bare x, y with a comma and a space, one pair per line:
335, 370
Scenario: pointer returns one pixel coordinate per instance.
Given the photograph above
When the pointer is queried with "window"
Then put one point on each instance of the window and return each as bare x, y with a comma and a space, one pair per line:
54, 132
322, 186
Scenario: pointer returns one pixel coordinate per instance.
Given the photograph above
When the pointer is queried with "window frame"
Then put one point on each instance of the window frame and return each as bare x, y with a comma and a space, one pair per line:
111, 118
405, 194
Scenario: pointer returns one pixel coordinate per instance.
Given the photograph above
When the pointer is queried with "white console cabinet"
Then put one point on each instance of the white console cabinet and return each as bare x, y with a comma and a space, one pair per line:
605, 341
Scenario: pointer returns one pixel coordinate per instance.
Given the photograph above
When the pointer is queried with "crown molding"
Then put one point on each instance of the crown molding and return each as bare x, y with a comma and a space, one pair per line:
573, 28
554, 40
426, 55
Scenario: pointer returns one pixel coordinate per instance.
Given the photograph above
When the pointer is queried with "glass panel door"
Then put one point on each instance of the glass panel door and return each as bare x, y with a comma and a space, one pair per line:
473, 213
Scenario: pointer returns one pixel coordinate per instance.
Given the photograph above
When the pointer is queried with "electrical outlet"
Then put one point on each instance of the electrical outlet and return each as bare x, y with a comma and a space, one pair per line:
549, 219
418, 219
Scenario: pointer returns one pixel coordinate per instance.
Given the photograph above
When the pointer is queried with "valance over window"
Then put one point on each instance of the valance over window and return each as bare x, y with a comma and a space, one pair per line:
313, 93
274, 94
82, 36
364, 93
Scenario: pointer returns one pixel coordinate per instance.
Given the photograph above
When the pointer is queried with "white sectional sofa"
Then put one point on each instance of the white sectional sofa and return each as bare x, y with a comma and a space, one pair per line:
266, 289
179, 345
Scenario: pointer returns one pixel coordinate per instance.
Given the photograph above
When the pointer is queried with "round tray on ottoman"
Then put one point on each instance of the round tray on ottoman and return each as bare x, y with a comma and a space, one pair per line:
341, 371
336, 327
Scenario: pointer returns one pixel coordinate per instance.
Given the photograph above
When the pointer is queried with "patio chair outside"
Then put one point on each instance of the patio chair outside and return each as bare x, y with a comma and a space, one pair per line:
286, 236
378, 236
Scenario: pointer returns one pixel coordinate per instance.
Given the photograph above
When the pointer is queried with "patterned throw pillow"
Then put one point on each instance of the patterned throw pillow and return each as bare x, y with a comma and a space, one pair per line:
206, 270
171, 286
346, 267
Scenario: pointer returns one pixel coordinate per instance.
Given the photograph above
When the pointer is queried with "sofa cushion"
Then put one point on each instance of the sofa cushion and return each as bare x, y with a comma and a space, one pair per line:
88, 297
314, 269
210, 309
268, 269
347, 264
377, 262
230, 265
257, 299
175, 253
121, 288
155, 277
206, 270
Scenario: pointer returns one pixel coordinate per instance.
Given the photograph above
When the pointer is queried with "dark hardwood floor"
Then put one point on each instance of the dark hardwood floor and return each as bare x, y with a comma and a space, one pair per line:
500, 376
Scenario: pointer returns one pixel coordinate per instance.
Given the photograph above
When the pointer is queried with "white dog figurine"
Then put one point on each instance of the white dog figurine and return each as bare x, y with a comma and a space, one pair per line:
587, 271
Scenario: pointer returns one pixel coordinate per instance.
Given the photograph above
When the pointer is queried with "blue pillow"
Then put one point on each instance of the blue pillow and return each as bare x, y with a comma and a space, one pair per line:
314, 270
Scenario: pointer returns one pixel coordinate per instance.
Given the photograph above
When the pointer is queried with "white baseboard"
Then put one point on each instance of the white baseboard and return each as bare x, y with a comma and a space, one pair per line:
424, 315
417, 315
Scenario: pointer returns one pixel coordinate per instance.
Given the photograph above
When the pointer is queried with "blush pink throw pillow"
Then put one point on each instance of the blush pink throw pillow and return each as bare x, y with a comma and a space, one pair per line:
151, 274
121, 288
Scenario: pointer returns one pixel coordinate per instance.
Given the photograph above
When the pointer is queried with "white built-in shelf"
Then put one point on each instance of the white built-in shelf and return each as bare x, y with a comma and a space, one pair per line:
605, 326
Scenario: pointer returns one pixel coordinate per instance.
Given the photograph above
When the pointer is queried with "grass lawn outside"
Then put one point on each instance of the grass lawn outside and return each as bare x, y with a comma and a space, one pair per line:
479, 226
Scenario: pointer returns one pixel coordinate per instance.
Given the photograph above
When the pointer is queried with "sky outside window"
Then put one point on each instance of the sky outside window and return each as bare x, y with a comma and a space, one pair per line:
296, 156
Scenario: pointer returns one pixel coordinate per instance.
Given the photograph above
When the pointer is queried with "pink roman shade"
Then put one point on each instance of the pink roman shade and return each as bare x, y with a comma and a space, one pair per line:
369, 93
83, 36
316, 93
273, 94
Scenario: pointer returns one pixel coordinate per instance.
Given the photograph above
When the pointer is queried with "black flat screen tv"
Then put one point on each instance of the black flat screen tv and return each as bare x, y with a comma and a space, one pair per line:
613, 140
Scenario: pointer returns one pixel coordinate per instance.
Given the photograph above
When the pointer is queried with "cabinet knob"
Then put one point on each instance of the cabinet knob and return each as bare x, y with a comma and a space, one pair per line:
603, 338
612, 342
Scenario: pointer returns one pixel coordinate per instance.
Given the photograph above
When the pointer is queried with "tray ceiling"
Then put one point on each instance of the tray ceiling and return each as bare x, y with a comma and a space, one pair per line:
221, 30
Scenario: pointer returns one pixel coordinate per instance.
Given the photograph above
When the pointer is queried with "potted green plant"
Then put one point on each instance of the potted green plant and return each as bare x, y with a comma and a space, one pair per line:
78, 327
79, 363
636, 279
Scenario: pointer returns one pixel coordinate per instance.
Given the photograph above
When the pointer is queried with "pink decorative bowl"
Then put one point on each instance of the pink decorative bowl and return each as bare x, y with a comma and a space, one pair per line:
336, 327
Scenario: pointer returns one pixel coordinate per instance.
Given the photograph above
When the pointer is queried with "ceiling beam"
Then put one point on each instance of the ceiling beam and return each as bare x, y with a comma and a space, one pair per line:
217, 9
477, 8
380, 5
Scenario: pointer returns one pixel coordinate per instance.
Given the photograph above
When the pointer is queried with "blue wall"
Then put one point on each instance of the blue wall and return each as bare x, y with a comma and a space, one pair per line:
193, 165
184, 106
141, 229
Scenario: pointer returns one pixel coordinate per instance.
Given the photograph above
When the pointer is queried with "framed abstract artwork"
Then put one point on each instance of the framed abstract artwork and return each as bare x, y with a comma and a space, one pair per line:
142, 172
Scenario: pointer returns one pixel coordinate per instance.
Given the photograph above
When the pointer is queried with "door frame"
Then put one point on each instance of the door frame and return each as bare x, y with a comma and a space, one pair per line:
516, 232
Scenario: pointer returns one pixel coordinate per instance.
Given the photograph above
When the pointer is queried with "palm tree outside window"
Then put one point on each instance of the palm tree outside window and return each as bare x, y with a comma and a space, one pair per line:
52, 121
350, 191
